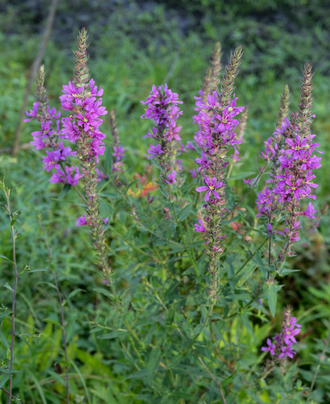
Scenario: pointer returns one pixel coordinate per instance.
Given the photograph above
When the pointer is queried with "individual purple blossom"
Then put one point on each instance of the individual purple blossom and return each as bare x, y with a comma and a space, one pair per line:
249, 181
154, 151
101, 175
286, 351
211, 185
171, 178
200, 228
193, 173
309, 211
51, 160
106, 220
271, 347
81, 221
118, 152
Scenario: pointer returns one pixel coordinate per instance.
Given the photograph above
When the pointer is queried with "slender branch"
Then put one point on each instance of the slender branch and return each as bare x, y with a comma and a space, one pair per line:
9, 149
12, 222
36, 63
213, 378
50, 257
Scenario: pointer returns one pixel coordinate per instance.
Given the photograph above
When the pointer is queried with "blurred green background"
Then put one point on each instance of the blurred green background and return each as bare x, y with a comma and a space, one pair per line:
133, 45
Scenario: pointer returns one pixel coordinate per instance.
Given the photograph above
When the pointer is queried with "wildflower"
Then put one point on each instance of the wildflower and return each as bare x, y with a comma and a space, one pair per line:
171, 178
284, 341
309, 211
70, 176
216, 120
210, 187
271, 347
118, 152
200, 228
154, 151
193, 173
81, 221
163, 109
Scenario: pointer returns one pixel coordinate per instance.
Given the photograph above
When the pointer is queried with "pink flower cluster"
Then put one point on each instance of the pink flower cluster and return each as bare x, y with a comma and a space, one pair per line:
294, 180
47, 138
84, 121
163, 109
285, 339
215, 135
216, 124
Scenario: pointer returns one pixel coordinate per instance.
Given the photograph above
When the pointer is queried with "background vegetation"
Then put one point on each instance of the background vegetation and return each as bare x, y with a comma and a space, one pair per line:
134, 44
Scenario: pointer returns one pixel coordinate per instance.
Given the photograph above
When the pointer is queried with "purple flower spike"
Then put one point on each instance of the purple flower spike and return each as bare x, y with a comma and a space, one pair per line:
211, 186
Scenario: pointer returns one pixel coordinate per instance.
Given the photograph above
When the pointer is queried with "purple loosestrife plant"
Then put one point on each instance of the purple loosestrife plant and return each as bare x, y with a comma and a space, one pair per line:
291, 149
163, 109
216, 135
281, 349
83, 100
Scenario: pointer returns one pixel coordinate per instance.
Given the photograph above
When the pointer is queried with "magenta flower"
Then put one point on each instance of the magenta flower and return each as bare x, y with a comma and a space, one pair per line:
81, 221
69, 177
290, 333
210, 187
51, 160
200, 228
154, 151
286, 351
271, 347
309, 211
33, 112
171, 178
118, 152
193, 173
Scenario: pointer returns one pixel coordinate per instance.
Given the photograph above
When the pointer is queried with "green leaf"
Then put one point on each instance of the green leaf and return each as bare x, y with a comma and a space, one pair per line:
4, 339
2, 256
245, 320
153, 364
74, 292
178, 358
57, 377
114, 334
66, 188
4, 314
228, 380
184, 212
272, 299
4, 380
50, 320
242, 175
104, 292
230, 197
108, 161
8, 287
